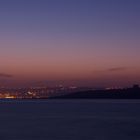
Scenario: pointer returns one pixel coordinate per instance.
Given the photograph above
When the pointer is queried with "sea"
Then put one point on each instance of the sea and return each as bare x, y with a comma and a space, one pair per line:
69, 119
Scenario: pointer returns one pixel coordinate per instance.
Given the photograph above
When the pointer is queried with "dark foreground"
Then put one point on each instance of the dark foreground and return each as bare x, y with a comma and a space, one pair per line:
70, 120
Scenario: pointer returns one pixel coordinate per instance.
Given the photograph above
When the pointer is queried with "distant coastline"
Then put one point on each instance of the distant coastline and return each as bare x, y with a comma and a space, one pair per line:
87, 93
128, 93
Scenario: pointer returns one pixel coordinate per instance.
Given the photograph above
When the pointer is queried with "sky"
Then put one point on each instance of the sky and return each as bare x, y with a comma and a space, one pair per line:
79, 42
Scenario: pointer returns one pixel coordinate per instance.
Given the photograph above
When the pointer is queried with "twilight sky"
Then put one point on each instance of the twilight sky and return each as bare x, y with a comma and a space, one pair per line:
82, 42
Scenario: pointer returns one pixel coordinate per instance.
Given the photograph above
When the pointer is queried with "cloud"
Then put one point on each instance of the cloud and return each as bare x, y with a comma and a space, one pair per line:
117, 69
4, 75
113, 69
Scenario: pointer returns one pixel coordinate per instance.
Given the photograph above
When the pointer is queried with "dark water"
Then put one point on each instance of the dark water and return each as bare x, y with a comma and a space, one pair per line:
70, 120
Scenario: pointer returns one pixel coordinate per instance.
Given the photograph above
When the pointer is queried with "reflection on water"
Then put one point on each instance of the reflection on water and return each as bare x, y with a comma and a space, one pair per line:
69, 119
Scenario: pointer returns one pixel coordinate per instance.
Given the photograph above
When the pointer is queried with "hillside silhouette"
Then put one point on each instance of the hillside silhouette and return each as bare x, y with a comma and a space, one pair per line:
128, 93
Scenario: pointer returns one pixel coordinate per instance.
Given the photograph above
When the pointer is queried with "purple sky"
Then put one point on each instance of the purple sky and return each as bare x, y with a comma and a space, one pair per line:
82, 42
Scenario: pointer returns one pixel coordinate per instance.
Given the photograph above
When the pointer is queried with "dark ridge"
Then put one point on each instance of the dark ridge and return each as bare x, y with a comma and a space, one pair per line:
129, 93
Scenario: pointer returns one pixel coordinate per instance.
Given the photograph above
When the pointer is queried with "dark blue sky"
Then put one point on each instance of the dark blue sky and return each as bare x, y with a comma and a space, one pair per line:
89, 15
